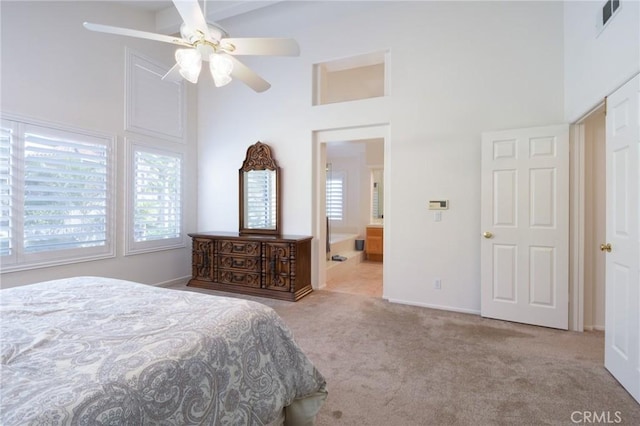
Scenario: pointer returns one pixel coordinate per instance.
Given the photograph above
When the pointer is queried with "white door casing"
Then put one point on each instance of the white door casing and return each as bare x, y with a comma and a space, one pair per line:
622, 288
524, 253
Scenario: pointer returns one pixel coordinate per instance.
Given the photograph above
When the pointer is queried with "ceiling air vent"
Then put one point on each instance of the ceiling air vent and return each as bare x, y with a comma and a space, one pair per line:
606, 13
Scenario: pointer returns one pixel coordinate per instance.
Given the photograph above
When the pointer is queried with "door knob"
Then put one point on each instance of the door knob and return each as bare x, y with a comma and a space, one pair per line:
605, 247
487, 234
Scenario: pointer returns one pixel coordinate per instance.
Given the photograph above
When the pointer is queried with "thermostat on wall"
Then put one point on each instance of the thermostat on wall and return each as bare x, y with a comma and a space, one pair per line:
438, 205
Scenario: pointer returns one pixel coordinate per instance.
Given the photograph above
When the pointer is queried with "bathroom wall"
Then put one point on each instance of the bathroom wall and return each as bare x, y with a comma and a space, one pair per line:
355, 159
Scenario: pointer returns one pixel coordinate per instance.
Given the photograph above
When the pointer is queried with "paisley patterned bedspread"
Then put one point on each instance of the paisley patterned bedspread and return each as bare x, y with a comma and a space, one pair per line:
95, 351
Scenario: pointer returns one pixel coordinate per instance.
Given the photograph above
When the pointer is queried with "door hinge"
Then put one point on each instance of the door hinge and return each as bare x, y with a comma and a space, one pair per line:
605, 106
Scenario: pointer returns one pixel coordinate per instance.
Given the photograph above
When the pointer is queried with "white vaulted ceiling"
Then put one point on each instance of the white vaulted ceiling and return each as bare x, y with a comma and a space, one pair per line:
168, 21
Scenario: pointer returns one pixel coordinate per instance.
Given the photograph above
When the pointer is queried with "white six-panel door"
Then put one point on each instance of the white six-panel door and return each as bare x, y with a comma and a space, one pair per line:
525, 225
622, 288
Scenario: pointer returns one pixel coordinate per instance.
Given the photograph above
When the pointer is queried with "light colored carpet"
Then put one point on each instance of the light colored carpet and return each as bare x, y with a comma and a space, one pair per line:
365, 279
390, 364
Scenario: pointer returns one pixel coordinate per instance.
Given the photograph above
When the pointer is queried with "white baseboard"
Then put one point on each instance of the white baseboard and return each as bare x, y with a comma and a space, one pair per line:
440, 307
176, 281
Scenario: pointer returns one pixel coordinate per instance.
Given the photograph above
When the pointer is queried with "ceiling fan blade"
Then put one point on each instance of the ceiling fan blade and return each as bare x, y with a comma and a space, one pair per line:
173, 75
192, 16
247, 75
134, 33
262, 46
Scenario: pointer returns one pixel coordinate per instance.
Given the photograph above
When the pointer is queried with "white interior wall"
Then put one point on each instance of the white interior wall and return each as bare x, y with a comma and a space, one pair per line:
455, 72
352, 158
351, 167
56, 71
597, 64
455, 69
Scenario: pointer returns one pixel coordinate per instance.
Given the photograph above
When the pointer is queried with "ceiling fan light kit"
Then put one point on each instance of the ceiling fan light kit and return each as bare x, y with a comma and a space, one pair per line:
221, 68
202, 41
190, 63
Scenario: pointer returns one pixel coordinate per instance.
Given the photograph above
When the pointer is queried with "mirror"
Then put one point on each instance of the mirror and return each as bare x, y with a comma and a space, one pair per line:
259, 192
377, 195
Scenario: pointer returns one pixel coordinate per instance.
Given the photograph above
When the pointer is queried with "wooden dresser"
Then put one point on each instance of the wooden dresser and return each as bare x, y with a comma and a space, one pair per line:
374, 243
261, 265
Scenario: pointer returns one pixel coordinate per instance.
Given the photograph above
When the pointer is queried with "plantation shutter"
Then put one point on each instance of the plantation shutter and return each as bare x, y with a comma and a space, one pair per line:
6, 135
335, 197
65, 191
157, 197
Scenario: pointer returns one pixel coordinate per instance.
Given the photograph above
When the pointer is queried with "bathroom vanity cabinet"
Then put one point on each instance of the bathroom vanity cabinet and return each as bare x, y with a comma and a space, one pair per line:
374, 243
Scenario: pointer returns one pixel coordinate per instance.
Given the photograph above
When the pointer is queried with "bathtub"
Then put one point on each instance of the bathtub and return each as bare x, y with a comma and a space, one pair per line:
335, 238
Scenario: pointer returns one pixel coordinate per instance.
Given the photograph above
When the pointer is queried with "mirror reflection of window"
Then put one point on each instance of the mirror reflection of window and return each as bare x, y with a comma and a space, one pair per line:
260, 199
377, 194
375, 209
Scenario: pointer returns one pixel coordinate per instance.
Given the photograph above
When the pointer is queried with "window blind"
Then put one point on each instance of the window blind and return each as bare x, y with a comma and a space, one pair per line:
335, 197
55, 199
5, 191
157, 199
65, 192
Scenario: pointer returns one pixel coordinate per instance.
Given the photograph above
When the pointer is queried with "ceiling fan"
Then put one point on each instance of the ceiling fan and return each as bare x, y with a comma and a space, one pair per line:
201, 41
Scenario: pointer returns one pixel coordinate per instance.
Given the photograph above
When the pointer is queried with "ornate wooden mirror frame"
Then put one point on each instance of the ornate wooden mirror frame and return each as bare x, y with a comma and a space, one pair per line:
259, 192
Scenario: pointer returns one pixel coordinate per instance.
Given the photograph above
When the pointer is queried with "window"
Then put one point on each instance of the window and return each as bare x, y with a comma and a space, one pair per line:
6, 136
335, 196
55, 195
155, 216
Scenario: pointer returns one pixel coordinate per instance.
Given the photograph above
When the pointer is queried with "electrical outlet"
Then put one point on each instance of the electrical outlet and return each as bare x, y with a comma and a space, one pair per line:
437, 284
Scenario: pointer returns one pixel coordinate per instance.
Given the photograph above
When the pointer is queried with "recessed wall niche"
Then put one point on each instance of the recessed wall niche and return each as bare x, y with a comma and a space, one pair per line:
350, 79
153, 107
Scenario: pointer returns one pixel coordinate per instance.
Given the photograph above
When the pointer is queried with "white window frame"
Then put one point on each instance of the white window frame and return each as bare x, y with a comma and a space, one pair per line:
133, 247
19, 259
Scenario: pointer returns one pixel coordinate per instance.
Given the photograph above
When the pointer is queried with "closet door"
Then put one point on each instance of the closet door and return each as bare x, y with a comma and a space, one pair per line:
622, 287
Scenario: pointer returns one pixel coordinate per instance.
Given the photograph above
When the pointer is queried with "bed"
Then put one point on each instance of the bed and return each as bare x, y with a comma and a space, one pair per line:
95, 351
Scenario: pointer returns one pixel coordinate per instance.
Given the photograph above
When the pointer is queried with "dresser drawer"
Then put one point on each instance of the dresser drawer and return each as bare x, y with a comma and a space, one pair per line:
247, 279
249, 248
243, 263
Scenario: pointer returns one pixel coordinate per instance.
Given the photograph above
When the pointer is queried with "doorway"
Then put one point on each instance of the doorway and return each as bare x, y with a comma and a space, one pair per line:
594, 220
354, 193
347, 154
588, 224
